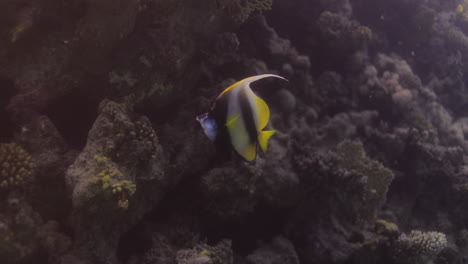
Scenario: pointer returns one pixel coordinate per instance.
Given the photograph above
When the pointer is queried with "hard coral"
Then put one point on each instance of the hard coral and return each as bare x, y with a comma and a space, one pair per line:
339, 28
205, 254
344, 188
110, 183
232, 200
410, 247
281, 251
25, 238
17, 232
359, 183
114, 158
241, 10
146, 137
16, 167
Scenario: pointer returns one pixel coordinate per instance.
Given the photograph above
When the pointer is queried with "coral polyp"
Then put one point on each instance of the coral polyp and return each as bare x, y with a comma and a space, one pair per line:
110, 184
16, 167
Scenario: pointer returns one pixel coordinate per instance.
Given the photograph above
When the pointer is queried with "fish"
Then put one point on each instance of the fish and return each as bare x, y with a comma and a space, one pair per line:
237, 119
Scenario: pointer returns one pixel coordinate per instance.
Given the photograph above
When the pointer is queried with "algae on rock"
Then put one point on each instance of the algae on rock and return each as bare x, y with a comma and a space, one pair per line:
116, 179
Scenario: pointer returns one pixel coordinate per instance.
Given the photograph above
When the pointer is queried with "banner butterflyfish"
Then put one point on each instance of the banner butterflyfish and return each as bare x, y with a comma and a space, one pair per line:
238, 118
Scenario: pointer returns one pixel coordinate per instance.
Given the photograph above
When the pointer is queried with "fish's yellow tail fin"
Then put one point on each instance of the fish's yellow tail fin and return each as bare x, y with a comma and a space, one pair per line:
264, 137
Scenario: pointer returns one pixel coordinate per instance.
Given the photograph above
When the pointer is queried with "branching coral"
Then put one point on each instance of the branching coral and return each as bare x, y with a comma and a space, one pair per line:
392, 77
146, 137
16, 167
353, 182
353, 159
240, 10
110, 183
417, 244
339, 28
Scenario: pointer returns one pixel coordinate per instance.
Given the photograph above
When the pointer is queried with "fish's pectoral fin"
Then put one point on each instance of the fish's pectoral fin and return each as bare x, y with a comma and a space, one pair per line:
264, 137
263, 113
231, 122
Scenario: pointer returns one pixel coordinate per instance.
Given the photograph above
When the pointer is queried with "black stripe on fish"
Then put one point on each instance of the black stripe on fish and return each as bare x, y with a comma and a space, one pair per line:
222, 141
247, 116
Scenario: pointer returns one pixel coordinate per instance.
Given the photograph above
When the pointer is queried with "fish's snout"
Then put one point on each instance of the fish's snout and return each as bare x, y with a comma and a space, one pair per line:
201, 117
209, 125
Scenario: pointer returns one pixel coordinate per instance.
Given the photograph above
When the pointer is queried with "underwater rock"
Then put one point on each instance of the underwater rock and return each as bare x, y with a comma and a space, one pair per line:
286, 101
24, 237
205, 254
345, 189
280, 251
235, 190
19, 227
389, 74
345, 34
275, 49
391, 80
391, 87
343, 126
241, 10
433, 169
115, 180
333, 96
53, 45
52, 156
386, 228
47, 146
161, 251
276, 182
229, 191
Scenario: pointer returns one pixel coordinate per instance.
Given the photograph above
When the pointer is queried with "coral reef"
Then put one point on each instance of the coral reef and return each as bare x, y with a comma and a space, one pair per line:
202, 253
111, 182
241, 10
280, 251
102, 161
337, 28
352, 188
103, 186
25, 235
16, 169
417, 244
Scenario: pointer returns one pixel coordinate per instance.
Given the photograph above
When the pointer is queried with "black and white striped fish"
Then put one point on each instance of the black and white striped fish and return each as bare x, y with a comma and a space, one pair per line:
237, 119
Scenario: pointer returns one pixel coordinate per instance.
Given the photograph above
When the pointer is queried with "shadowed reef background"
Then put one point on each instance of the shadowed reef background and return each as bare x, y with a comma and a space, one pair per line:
102, 160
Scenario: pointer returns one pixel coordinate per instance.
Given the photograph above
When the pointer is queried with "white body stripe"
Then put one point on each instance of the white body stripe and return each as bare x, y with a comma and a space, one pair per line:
239, 135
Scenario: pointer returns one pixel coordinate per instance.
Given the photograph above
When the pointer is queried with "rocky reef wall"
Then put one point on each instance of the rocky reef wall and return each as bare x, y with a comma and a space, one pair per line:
102, 160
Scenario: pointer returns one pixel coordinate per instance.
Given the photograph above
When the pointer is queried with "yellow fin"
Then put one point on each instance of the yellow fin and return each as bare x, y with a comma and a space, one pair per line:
240, 140
250, 152
263, 114
264, 137
230, 123
460, 8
